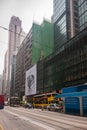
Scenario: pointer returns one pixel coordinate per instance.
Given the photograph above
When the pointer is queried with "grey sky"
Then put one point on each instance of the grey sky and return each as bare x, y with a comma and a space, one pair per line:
28, 11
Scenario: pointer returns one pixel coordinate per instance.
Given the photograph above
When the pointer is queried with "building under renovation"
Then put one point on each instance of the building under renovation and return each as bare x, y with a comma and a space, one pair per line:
42, 40
37, 45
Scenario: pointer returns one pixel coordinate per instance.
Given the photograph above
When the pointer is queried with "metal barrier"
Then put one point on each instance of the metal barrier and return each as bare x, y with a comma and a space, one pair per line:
75, 102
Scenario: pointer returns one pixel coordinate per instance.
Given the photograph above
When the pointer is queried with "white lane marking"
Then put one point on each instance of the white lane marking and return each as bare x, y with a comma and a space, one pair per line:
76, 124
31, 121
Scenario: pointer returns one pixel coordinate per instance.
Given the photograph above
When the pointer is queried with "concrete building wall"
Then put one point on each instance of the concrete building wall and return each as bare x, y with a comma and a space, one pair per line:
74, 17
23, 63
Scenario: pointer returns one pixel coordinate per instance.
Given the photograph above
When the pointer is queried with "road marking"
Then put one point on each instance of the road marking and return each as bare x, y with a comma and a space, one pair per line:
1, 127
68, 122
31, 121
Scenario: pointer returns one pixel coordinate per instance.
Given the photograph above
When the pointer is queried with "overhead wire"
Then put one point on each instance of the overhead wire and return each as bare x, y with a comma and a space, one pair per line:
22, 36
11, 31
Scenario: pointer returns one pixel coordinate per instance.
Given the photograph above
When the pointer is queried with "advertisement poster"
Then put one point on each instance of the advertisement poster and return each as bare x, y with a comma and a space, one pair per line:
30, 83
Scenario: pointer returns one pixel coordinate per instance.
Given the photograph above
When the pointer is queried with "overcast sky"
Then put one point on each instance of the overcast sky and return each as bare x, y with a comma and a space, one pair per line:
28, 11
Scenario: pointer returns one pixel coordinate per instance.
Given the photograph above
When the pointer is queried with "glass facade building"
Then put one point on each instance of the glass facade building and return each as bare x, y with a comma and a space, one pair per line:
68, 68
59, 8
64, 21
59, 22
82, 13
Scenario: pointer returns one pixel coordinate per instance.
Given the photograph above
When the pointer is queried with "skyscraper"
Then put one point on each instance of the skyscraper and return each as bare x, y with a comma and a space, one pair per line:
65, 21
0, 84
15, 29
15, 37
5, 73
82, 13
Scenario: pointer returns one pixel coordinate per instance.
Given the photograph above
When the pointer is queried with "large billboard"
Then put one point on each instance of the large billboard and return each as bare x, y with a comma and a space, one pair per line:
30, 83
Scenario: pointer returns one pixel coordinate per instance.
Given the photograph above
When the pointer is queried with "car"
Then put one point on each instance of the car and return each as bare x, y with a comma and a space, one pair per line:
28, 105
6, 103
54, 107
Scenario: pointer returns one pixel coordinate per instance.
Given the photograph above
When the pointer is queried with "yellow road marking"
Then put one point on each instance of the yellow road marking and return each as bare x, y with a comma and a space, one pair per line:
1, 127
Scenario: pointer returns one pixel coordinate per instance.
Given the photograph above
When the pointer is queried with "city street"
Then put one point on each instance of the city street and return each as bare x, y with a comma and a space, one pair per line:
12, 118
43, 64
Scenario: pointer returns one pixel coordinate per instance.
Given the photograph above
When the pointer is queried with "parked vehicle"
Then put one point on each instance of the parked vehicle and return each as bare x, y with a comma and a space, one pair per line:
28, 105
1, 101
14, 101
6, 103
54, 107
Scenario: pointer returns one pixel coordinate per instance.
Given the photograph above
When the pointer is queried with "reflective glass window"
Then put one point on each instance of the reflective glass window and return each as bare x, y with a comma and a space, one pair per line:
82, 13
59, 8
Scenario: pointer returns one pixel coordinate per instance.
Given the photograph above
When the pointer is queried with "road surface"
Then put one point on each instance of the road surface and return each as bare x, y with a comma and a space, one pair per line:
12, 118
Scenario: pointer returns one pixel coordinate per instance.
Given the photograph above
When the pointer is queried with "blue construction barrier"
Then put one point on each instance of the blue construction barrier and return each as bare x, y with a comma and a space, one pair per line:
72, 100
84, 105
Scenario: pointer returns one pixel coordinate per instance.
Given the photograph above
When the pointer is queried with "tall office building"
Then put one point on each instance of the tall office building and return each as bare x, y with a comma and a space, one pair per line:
5, 73
66, 23
14, 33
14, 42
0, 84
82, 13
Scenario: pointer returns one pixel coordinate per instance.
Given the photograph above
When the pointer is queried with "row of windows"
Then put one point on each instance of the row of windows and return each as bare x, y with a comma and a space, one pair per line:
58, 2
83, 18
59, 7
61, 25
62, 35
71, 65
62, 21
60, 42
82, 8
81, 2
56, 16
58, 11
60, 32
72, 73
83, 26
83, 13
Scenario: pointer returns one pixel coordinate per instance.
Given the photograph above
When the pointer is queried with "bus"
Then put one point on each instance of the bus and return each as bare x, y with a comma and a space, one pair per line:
43, 100
14, 101
1, 101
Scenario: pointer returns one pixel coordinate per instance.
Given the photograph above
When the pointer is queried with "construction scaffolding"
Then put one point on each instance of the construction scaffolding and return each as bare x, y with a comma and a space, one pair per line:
42, 40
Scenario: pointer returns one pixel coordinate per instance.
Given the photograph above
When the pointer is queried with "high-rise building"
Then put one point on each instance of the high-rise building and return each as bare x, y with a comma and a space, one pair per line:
0, 84
5, 72
15, 31
37, 45
82, 13
65, 13
23, 63
13, 72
